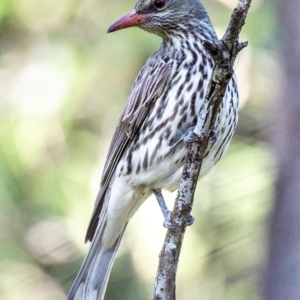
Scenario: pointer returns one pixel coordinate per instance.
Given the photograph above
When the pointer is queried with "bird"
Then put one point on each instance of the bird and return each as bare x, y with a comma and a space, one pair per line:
148, 148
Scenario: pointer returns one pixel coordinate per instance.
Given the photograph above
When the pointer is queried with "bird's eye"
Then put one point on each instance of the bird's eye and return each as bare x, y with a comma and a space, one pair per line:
159, 4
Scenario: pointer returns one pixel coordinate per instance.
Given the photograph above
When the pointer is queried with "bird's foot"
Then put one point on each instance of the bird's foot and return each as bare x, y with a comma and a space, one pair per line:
167, 213
187, 137
190, 136
190, 221
170, 225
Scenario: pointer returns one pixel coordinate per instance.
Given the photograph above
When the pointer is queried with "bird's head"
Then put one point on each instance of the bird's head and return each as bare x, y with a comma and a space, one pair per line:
161, 16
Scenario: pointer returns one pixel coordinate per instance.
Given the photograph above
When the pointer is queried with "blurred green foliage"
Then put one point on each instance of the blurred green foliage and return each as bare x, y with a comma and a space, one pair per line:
63, 83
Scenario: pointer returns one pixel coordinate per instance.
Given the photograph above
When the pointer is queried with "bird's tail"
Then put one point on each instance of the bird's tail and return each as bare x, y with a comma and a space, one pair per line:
91, 281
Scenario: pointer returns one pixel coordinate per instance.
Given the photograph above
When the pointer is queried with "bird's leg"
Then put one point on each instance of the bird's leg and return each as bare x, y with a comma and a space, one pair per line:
166, 212
162, 204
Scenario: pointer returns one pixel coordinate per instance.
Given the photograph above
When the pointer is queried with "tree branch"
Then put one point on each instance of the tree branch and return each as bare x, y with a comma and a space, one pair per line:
224, 53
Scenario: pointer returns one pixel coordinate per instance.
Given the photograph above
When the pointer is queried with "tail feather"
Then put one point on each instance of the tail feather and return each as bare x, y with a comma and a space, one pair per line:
92, 278
91, 281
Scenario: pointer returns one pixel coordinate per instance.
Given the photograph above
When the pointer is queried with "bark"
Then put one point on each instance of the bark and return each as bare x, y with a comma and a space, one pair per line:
224, 53
282, 279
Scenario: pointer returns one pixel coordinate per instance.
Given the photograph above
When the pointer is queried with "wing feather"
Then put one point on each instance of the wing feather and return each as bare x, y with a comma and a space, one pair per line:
145, 91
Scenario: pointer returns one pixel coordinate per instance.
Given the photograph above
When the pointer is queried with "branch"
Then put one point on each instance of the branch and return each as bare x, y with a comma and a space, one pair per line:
224, 53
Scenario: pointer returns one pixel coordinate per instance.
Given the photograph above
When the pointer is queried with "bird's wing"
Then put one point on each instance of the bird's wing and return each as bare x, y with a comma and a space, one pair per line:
146, 89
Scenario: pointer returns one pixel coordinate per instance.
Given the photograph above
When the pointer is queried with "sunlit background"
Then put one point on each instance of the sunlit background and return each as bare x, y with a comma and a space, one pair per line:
63, 83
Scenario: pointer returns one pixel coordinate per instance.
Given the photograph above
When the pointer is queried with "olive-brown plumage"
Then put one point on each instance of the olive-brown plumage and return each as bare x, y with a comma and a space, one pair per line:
147, 150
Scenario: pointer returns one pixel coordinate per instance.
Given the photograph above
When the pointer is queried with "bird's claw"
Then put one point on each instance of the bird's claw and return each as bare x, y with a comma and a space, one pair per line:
170, 225
187, 137
191, 137
190, 220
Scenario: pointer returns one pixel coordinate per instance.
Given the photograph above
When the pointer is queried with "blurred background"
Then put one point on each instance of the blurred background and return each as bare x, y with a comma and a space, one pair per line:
63, 83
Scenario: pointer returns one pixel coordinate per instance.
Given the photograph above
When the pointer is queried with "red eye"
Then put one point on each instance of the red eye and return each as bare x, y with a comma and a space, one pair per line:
159, 4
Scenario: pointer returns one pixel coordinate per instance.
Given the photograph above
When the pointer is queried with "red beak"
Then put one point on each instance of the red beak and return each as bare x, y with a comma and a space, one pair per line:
130, 20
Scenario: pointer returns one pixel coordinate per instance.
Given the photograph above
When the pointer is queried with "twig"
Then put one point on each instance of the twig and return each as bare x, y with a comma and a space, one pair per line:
224, 53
